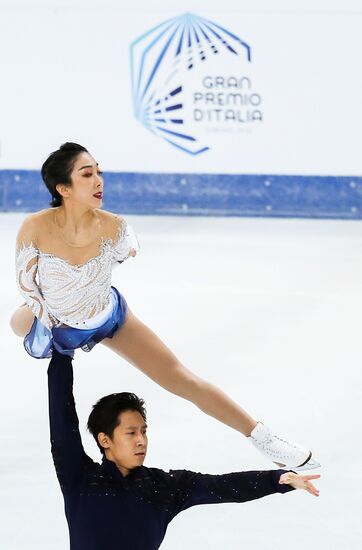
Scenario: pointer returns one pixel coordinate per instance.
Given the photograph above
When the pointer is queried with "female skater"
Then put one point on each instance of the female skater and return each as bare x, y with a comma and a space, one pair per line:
64, 260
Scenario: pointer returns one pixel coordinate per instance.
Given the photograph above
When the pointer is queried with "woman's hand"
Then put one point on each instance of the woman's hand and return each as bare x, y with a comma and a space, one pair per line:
53, 322
300, 482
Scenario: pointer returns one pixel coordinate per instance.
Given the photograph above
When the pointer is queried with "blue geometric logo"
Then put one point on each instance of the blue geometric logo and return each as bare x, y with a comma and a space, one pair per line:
161, 59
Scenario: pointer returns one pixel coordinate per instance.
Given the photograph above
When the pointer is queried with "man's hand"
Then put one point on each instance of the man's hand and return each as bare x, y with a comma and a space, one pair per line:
300, 482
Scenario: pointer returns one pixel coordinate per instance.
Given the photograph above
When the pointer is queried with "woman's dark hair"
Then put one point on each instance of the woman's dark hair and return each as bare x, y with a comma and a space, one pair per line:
105, 414
58, 167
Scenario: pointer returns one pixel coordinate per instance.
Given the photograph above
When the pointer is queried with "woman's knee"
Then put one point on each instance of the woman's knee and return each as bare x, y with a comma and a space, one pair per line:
185, 383
21, 321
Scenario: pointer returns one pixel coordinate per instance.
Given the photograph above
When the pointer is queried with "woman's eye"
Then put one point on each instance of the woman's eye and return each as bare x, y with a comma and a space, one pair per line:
100, 173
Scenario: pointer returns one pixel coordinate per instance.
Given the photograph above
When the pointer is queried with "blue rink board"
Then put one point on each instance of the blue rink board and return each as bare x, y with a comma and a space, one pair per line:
202, 194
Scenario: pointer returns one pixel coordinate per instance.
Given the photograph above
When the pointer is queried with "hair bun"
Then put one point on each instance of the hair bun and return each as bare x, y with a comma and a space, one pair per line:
70, 146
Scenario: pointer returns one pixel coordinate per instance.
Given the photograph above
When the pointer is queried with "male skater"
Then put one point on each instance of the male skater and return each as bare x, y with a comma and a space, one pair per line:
120, 504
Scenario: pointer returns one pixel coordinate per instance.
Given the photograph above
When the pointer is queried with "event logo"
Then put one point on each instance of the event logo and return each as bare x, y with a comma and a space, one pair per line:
191, 78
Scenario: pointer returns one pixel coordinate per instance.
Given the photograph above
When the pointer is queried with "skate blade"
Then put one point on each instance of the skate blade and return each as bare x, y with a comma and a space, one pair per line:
309, 464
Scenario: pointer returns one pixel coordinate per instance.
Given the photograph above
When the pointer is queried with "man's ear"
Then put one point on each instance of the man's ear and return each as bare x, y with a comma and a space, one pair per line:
104, 440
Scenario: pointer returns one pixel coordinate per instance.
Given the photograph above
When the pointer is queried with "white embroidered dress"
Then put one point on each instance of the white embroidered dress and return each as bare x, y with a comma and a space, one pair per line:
75, 295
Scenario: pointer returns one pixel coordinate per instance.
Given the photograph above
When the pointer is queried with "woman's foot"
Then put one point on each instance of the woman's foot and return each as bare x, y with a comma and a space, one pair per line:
284, 454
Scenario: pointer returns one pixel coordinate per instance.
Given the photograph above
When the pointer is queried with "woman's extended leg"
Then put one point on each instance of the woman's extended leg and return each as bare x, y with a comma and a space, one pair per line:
141, 347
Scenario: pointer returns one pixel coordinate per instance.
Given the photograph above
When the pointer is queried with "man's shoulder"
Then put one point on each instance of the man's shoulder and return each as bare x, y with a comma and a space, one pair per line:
170, 477
156, 486
151, 475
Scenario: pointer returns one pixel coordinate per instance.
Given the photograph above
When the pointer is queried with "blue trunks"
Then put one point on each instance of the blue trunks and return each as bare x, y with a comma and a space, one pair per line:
40, 341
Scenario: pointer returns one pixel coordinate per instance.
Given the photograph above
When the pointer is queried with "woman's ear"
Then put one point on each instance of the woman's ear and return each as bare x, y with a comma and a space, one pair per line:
63, 190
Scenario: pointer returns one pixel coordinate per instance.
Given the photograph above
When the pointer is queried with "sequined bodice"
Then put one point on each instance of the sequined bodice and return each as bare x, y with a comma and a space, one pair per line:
59, 292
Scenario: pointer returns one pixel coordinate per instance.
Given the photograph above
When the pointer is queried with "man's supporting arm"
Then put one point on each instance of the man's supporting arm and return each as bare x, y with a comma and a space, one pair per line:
66, 444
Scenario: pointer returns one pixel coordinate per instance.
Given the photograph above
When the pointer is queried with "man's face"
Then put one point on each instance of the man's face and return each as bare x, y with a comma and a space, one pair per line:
128, 446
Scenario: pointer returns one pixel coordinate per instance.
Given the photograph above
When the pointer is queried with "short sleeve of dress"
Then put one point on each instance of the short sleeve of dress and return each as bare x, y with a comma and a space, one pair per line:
26, 271
126, 244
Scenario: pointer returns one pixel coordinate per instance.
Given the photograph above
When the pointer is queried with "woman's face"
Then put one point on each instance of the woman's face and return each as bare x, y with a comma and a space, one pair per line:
87, 183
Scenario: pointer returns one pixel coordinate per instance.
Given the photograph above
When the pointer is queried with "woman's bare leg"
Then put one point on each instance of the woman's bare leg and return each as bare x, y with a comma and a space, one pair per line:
22, 320
141, 347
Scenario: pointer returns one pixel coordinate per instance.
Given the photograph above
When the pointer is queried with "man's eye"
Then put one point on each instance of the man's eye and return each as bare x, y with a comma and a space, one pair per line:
130, 433
100, 173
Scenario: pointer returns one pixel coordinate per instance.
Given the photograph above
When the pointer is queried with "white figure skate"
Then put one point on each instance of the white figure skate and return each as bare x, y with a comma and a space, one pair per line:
286, 455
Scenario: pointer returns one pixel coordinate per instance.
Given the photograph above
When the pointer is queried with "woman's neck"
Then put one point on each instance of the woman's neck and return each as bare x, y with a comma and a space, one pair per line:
74, 218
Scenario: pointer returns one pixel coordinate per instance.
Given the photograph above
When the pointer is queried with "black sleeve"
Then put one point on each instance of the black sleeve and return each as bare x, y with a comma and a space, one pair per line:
66, 444
191, 489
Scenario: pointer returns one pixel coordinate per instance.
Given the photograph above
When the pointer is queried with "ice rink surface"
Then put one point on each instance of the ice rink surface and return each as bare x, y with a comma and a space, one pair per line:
270, 310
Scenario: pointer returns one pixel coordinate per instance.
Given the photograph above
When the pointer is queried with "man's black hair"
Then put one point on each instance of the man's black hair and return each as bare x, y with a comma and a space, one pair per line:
105, 416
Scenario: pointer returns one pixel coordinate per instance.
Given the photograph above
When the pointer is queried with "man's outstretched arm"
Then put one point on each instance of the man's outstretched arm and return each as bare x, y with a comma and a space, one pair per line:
66, 444
191, 489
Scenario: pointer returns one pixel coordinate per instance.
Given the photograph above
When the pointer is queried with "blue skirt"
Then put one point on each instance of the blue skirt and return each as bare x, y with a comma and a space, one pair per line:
40, 341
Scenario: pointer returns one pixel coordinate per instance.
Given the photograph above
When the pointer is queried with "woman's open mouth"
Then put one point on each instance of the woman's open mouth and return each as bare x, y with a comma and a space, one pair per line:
98, 195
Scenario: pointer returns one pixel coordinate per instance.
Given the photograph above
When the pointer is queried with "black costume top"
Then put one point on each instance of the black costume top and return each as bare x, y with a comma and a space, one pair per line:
107, 511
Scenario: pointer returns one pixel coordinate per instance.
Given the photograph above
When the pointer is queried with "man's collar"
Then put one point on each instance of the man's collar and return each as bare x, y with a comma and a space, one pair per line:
112, 469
